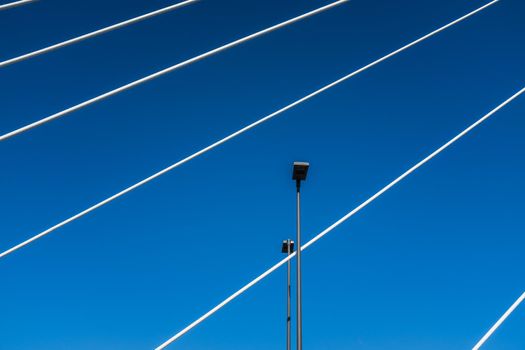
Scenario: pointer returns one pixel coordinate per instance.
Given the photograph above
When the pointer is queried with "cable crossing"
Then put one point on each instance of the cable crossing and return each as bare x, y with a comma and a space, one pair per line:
94, 33
234, 135
339, 222
499, 322
169, 70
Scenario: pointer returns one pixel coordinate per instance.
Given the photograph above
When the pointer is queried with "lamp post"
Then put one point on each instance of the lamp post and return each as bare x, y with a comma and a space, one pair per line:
300, 169
287, 248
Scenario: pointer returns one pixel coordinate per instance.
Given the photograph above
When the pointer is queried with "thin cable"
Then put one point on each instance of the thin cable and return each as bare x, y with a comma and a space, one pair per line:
220, 142
95, 33
500, 321
168, 70
337, 223
14, 4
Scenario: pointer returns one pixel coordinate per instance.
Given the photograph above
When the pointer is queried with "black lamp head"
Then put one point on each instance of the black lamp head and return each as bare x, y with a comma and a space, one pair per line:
300, 169
285, 246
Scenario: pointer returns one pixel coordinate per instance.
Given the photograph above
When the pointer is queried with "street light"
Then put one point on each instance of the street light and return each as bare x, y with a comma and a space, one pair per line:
300, 170
287, 248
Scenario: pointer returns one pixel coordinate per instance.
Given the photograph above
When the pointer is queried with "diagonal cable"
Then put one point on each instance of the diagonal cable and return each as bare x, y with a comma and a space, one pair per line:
337, 223
499, 322
94, 33
231, 136
168, 70
15, 4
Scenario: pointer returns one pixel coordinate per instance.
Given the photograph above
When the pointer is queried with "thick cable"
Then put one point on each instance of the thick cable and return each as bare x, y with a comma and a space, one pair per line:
500, 321
15, 4
335, 224
94, 33
220, 142
168, 70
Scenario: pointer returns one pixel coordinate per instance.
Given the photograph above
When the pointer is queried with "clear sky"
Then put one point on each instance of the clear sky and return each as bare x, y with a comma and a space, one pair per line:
431, 265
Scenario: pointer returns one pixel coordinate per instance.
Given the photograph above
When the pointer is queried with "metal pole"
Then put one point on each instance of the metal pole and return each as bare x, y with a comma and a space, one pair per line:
300, 170
289, 301
298, 249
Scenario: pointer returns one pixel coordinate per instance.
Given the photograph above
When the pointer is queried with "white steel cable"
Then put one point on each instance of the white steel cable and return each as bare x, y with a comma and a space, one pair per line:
169, 69
14, 4
335, 224
95, 33
227, 138
500, 321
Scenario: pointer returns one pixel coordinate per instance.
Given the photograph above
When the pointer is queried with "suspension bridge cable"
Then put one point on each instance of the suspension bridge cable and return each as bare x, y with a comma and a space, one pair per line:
168, 70
95, 33
500, 321
14, 4
337, 223
229, 137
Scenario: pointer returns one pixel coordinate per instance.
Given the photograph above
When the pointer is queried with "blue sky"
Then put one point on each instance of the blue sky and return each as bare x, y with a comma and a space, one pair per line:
431, 265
